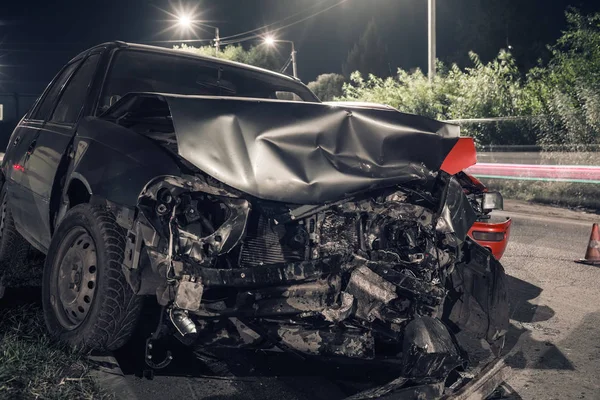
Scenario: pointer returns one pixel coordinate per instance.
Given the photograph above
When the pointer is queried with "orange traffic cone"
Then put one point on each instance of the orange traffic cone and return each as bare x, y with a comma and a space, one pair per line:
592, 255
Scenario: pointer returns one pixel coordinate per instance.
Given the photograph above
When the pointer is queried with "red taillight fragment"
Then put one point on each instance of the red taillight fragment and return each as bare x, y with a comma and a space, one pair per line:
488, 236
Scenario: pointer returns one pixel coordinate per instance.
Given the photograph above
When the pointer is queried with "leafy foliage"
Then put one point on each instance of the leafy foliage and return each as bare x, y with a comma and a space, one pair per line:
569, 88
327, 86
259, 56
483, 90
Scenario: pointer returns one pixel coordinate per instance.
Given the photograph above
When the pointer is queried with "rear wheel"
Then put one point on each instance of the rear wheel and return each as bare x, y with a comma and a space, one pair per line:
87, 300
15, 251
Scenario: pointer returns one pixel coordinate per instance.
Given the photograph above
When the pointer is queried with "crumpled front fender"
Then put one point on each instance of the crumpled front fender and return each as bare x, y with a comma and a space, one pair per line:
477, 301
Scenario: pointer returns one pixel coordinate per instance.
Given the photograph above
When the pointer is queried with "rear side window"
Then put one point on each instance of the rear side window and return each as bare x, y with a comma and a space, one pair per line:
290, 96
47, 104
73, 97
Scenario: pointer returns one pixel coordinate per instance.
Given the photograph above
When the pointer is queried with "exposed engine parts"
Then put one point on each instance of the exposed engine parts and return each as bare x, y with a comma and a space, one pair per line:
373, 277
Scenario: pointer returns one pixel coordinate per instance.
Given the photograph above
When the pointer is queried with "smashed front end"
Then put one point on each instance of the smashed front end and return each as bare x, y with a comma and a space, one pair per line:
384, 272
387, 275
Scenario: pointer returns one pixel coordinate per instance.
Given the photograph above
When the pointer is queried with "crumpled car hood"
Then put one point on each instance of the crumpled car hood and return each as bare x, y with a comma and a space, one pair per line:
306, 153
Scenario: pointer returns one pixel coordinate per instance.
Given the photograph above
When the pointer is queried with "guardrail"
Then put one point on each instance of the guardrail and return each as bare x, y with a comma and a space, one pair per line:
530, 163
534, 172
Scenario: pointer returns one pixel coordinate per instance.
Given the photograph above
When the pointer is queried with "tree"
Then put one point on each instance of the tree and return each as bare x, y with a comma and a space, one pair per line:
369, 54
259, 56
327, 86
569, 88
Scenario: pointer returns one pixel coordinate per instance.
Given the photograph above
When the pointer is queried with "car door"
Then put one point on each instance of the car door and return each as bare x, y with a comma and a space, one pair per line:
47, 148
19, 145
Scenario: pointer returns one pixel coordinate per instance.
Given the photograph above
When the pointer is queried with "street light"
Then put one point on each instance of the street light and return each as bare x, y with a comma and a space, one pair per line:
187, 21
431, 43
270, 41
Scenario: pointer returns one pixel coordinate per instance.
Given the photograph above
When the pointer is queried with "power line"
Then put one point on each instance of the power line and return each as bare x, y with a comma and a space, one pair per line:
177, 41
262, 28
274, 23
285, 26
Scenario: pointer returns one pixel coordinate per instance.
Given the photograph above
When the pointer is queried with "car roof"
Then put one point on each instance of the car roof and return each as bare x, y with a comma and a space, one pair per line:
177, 52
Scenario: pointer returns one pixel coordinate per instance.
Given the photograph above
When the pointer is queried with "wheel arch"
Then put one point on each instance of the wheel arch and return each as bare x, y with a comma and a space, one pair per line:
78, 190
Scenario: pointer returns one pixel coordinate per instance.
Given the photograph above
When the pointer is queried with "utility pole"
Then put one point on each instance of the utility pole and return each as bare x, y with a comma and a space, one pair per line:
271, 41
431, 46
217, 42
294, 66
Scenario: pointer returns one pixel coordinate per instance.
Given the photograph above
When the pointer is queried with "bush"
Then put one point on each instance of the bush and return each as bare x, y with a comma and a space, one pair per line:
327, 86
569, 88
483, 90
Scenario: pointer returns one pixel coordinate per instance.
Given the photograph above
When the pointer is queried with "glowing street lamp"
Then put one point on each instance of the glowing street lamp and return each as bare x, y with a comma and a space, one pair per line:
185, 21
270, 41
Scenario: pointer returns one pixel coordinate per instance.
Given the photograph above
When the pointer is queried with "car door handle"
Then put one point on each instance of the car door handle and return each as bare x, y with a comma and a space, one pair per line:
17, 140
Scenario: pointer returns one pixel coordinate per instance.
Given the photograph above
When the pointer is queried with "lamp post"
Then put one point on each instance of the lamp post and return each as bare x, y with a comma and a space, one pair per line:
270, 41
186, 22
431, 43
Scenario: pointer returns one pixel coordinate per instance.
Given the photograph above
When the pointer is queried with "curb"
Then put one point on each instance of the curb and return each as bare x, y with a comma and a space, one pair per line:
107, 373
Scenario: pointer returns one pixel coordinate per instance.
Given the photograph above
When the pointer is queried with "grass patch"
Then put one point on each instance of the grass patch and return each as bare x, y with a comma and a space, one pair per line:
564, 194
32, 366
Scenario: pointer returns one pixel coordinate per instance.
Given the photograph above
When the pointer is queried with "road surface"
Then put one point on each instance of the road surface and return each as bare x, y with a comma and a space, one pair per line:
554, 340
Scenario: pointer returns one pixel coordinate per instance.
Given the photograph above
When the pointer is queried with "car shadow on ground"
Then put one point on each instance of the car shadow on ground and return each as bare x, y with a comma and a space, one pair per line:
526, 317
20, 296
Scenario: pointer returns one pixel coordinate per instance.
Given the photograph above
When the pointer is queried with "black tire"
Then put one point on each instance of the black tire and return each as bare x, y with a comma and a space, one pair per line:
92, 308
15, 251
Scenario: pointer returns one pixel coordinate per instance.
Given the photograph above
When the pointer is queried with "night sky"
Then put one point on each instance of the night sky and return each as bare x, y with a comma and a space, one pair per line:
38, 37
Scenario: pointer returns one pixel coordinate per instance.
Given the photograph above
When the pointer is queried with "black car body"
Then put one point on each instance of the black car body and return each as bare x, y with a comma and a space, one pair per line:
256, 215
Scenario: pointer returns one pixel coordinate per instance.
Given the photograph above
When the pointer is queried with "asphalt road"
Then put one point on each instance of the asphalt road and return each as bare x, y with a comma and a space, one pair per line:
553, 344
556, 307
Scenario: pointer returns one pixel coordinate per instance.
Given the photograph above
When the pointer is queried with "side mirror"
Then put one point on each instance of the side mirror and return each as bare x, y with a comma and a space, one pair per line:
492, 201
113, 99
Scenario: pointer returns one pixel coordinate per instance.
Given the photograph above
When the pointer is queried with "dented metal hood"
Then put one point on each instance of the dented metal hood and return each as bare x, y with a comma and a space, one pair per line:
306, 153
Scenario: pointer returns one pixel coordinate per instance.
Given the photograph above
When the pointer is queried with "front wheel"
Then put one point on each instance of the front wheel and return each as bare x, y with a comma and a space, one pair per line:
86, 298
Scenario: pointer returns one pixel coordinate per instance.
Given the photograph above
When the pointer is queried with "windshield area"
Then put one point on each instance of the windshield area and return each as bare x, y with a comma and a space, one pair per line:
144, 71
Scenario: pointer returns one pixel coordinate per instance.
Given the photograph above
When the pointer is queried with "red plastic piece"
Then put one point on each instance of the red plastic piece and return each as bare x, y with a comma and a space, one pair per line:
497, 247
462, 156
477, 182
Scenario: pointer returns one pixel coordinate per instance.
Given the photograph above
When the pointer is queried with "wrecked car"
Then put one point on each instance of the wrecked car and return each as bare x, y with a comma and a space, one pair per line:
255, 222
